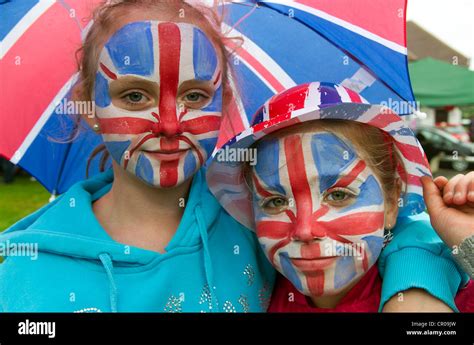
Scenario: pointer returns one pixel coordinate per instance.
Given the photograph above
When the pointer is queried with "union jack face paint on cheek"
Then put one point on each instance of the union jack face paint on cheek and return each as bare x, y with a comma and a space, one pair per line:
166, 144
319, 211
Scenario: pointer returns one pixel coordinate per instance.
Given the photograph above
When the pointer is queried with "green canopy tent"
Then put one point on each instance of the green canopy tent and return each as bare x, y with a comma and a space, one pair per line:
437, 83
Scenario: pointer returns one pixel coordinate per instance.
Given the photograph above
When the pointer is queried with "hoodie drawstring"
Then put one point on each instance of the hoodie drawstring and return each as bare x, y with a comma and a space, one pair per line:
109, 270
207, 258
214, 303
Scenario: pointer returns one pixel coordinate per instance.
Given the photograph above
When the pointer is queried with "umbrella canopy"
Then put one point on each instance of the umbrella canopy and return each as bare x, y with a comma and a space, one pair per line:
360, 45
39, 40
437, 83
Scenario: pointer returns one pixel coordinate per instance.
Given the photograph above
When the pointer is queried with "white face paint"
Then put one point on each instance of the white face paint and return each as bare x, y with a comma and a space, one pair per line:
158, 97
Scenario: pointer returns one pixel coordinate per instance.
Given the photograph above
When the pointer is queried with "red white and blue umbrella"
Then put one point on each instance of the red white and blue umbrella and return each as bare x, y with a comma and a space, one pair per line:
38, 44
359, 44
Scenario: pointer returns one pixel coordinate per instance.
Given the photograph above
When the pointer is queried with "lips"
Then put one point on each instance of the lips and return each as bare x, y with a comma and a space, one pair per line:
313, 264
166, 155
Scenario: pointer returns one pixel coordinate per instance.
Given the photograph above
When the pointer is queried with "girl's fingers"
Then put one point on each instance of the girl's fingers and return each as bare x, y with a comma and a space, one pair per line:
432, 195
440, 182
448, 190
461, 189
470, 193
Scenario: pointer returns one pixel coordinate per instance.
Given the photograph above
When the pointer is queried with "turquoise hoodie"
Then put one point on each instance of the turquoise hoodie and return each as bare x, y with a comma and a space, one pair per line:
211, 264
418, 258
81, 268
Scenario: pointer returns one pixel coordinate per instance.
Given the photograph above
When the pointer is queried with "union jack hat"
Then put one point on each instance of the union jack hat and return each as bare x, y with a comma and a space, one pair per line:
307, 102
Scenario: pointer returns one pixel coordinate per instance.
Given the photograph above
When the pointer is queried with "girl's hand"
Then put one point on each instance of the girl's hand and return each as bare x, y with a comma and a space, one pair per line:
451, 206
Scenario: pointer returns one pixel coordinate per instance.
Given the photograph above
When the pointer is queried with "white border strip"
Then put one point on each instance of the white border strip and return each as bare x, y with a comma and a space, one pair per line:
265, 59
19, 29
43, 119
354, 28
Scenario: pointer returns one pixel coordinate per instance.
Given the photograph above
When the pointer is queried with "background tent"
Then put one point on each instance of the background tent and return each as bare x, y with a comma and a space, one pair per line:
437, 83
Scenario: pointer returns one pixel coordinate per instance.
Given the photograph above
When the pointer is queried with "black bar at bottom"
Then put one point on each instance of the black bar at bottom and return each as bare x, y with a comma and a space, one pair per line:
318, 329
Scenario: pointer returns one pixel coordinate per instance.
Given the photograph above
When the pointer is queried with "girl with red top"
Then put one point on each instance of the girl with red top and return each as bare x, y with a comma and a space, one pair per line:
332, 177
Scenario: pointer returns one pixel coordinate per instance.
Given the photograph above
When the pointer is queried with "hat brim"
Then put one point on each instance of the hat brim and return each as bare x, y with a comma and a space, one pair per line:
226, 181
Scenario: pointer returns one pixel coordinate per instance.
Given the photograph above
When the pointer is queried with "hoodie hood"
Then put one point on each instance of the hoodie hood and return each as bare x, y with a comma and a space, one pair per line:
68, 227
79, 267
61, 229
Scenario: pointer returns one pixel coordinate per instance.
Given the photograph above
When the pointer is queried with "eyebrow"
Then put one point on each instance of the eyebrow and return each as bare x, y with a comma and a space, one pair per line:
343, 180
128, 79
131, 81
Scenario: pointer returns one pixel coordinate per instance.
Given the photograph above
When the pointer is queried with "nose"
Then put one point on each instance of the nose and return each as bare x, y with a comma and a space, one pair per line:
167, 126
170, 128
308, 229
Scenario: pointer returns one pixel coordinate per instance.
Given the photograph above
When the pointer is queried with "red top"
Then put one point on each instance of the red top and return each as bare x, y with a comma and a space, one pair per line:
363, 297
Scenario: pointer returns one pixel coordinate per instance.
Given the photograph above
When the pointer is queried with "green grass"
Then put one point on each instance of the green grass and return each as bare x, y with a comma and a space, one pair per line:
19, 199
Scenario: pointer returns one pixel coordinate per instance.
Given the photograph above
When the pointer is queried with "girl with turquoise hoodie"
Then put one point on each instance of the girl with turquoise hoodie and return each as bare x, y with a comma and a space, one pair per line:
147, 235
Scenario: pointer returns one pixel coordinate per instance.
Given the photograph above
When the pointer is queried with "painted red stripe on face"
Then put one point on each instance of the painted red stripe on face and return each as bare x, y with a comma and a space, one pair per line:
136, 147
276, 247
202, 124
353, 224
299, 184
133, 125
217, 77
193, 147
169, 144
351, 176
169, 169
258, 186
182, 113
108, 72
169, 173
170, 49
311, 250
316, 283
125, 125
273, 229
316, 231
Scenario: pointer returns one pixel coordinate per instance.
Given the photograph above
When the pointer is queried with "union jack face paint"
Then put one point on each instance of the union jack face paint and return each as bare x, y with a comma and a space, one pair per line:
309, 102
167, 142
319, 210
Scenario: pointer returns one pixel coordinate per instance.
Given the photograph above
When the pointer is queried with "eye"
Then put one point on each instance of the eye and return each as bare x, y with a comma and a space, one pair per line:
196, 99
274, 205
135, 97
339, 196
